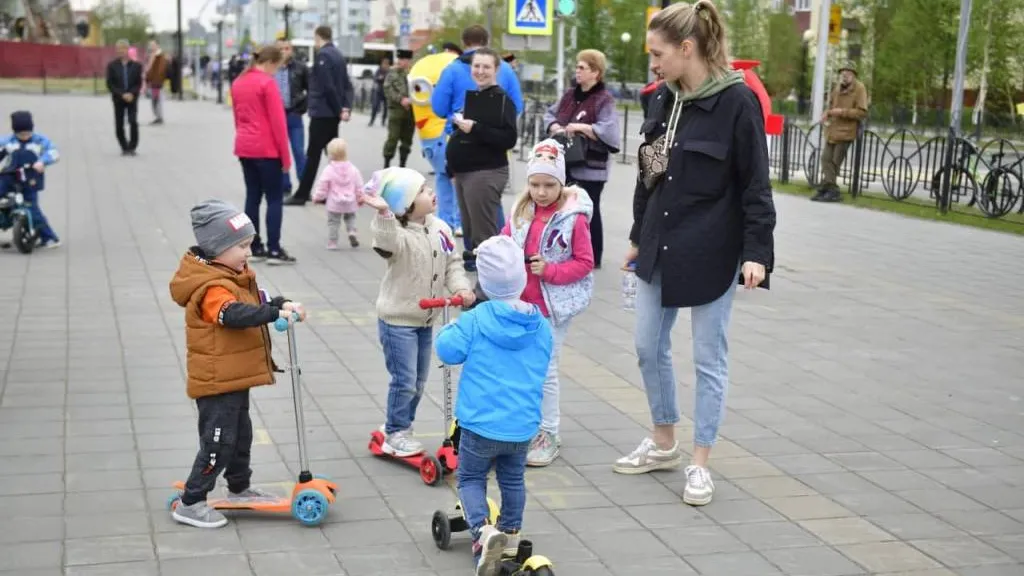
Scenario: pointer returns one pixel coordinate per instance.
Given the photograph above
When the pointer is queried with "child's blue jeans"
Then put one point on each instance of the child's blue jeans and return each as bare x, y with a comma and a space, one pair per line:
407, 353
476, 456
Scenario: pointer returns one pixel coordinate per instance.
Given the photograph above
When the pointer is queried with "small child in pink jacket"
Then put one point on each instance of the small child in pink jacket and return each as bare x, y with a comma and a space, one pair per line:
341, 186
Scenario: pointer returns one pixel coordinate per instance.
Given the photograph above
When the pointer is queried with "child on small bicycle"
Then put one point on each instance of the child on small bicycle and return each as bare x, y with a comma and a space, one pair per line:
422, 263
226, 317
505, 347
28, 149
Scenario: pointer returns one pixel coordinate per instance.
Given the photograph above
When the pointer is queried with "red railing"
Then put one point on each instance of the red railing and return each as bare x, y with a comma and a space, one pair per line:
30, 60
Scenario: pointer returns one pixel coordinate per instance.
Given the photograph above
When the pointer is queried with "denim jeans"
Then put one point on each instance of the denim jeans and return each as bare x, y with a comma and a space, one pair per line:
407, 353
225, 445
549, 412
709, 325
263, 180
297, 139
476, 456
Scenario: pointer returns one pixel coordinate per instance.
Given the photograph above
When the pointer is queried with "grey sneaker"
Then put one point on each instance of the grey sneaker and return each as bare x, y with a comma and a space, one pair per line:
699, 487
401, 444
490, 547
647, 458
252, 495
511, 545
543, 449
200, 515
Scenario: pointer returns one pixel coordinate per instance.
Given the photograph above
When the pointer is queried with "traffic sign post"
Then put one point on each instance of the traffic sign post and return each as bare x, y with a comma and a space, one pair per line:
531, 17
835, 24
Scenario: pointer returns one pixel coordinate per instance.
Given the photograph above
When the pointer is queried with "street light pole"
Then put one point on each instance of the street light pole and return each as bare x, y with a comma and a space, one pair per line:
821, 61
181, 55
287, 20
957, 105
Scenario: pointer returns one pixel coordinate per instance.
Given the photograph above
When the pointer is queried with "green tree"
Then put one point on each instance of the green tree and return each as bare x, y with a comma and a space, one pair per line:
745, 23
122, 20
783, 55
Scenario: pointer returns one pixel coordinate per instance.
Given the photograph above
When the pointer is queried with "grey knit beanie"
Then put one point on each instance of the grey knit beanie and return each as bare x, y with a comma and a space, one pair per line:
219, 226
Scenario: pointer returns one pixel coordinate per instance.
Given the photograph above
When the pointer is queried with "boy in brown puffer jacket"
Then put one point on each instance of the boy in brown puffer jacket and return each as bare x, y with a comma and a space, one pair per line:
226, 317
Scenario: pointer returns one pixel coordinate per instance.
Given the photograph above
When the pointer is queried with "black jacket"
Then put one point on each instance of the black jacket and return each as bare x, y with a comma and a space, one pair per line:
298, 85
116, 72
713, 209
485, 147
330, 89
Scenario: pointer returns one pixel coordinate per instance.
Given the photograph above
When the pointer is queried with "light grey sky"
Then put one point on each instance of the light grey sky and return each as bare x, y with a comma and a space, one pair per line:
163, 12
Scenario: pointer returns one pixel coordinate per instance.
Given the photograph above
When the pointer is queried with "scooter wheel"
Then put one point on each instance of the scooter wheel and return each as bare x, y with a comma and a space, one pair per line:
430, 470
173, 501
441, 530
309, 507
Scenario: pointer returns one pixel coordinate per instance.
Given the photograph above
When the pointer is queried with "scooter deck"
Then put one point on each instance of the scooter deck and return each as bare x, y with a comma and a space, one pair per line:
275, 505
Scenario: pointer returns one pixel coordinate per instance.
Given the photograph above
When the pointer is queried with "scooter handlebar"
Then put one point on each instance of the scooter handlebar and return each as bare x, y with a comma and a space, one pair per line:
428, 303
281, 324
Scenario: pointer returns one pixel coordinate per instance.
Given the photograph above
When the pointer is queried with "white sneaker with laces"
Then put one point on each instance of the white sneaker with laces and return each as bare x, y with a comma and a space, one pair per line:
402, 445
647, 458
699, 487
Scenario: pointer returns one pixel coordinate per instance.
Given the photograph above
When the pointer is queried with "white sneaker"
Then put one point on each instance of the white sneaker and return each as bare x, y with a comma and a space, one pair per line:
699, 487
490, 546
647, 458
402, 445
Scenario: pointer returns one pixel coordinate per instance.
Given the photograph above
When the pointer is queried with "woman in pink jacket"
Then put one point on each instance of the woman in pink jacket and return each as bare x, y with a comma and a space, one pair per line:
261, 144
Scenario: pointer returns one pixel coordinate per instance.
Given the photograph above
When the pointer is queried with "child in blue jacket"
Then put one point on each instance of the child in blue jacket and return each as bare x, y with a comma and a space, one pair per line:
505, 346
33, 151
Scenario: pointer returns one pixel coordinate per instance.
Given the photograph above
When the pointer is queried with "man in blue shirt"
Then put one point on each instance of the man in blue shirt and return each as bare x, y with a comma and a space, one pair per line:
293, 83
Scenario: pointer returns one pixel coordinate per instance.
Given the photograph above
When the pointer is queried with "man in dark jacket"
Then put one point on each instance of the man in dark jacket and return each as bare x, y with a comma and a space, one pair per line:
330, 102
293, 82
124, 82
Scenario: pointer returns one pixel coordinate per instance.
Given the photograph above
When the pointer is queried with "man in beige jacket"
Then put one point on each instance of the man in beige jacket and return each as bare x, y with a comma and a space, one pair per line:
847, 106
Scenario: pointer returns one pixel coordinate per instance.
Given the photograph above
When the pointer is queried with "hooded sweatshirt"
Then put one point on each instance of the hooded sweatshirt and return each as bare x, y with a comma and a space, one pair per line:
505, 353
713, 85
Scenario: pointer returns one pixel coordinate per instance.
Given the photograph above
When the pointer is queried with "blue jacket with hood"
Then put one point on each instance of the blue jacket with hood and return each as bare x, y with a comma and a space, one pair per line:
506, 354
449, 95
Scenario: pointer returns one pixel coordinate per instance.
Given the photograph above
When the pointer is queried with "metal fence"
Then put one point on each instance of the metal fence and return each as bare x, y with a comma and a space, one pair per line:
980, 177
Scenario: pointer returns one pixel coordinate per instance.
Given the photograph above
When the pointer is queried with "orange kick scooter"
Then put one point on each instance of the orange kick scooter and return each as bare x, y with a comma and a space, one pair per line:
312, 495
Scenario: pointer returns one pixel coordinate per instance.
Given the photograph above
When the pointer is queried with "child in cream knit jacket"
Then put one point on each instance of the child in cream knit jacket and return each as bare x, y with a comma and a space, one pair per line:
423, 262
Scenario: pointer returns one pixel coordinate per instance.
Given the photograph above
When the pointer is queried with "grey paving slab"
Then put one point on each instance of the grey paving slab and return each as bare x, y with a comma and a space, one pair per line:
851, 445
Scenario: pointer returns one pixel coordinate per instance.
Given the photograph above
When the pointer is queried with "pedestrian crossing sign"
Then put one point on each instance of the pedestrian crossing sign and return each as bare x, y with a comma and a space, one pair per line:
531, 17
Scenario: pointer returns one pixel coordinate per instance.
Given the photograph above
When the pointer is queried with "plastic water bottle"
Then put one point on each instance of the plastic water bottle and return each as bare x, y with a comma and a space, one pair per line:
629, 287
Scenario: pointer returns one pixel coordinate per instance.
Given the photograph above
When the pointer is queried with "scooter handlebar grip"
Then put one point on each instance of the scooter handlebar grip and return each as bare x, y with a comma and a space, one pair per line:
281, 324
428, 303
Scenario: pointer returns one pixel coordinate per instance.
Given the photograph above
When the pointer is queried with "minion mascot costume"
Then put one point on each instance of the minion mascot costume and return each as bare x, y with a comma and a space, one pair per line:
422, 78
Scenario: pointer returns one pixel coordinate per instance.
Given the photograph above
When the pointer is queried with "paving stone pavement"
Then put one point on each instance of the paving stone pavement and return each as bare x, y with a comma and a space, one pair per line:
875, 422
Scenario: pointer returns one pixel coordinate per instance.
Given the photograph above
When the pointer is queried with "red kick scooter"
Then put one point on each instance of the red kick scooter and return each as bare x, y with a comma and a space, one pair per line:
433, 467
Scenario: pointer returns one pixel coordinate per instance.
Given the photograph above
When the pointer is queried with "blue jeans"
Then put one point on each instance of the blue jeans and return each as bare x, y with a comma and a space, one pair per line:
297, 139
407, 353
709, 325
30, 195
476, 456
263, 180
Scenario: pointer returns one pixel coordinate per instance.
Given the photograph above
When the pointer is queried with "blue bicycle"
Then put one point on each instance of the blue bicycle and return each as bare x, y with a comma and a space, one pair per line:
15, 215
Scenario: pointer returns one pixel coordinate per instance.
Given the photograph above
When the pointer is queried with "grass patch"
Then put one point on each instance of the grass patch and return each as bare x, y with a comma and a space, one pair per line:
916, 208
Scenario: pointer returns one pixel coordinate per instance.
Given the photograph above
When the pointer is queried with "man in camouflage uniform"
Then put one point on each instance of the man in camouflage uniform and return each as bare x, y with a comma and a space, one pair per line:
401, 123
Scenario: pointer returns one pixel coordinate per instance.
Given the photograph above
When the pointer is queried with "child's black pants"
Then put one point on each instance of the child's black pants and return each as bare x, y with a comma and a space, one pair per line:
225, 443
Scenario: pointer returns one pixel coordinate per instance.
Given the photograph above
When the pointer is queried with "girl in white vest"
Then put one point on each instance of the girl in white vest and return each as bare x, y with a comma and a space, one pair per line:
551, 222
